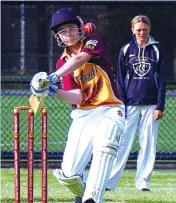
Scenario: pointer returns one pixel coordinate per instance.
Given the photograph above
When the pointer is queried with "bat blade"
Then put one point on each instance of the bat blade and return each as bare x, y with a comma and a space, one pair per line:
36, 103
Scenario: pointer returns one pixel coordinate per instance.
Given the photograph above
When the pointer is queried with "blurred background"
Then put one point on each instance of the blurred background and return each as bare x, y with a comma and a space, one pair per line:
28, 46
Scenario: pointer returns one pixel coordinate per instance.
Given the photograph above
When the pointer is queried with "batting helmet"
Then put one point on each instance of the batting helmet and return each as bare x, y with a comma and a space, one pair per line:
63, 16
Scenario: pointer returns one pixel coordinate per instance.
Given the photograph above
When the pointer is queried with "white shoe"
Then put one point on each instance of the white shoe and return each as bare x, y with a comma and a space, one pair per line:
58, 174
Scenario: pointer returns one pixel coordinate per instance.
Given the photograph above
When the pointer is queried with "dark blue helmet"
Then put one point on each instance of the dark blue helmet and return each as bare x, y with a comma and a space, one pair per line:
63, 16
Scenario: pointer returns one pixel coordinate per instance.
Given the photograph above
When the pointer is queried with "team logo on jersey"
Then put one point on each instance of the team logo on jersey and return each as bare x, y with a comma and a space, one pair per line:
91, 44
141, 69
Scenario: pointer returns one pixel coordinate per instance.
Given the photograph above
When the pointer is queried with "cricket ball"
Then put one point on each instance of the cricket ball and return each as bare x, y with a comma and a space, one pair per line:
89, 28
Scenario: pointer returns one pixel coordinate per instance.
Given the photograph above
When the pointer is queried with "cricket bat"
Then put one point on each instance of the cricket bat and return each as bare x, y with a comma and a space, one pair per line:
36, 103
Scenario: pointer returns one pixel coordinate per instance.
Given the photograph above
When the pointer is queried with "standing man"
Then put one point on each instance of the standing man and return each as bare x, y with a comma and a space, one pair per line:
98, 116
141, 83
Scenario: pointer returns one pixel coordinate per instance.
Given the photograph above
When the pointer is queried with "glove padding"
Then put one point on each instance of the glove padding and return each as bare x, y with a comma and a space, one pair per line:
40, 82
54, 78
51, 91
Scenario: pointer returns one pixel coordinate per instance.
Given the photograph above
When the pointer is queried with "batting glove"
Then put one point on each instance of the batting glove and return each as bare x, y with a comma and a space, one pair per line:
53, 89
54, 78
40, 81
39, 93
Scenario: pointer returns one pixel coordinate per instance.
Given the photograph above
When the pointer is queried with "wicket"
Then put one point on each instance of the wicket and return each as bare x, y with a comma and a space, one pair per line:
30, 154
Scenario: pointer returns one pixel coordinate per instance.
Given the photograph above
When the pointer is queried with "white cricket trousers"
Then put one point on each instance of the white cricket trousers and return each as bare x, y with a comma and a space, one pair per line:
93, 132
140, 117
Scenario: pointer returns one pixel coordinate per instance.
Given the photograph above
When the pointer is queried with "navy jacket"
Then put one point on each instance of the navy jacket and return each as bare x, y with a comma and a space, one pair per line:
140, 77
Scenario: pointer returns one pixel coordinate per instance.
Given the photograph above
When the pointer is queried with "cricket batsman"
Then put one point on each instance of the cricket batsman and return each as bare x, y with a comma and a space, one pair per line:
98, 116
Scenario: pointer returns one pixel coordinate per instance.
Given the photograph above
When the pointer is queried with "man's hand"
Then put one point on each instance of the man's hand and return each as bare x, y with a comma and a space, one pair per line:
40, 81
42, 84
158, 114
54, 78
51, 91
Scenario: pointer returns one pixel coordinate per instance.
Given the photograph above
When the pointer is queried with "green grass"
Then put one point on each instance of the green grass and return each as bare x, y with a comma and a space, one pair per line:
162, 184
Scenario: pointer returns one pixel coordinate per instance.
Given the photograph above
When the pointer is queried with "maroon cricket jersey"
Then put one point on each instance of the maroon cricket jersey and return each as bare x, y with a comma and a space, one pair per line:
95, 78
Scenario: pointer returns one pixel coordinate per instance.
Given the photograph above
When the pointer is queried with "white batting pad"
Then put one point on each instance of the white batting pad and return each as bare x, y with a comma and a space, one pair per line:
104, 152
74, 183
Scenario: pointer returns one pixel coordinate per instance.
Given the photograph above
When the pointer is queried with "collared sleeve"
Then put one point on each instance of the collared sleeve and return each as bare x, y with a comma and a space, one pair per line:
93, 44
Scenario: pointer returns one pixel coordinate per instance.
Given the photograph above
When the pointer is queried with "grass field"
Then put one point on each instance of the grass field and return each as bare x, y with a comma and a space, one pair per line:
162, 185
